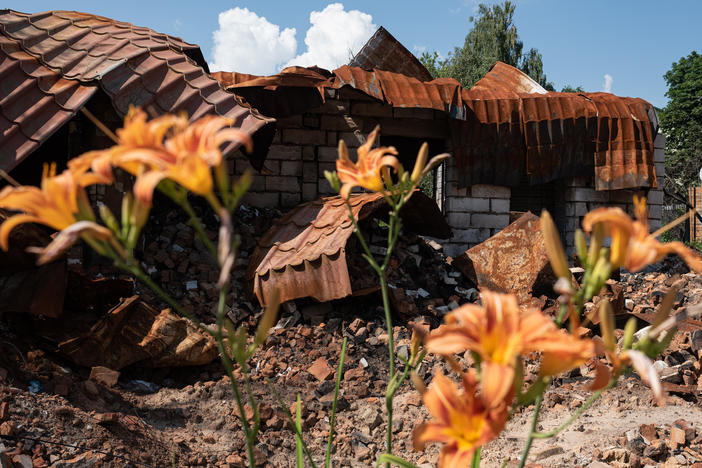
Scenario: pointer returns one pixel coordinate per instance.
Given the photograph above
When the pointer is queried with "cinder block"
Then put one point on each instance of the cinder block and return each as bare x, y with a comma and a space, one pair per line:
308, 153
586, 195
490, 191
288, 200
282, 184
660, 171
334, 122
286, 152
655, 212
493, 221
458, 220
331, 106
304, 136
462, 237
309, 172
291, 168
261, 199
468, 205
309, 191
580, 208
659, 142
582, 181
655, 197
293, 121
499, 205
310, 120
659, 155
327, 153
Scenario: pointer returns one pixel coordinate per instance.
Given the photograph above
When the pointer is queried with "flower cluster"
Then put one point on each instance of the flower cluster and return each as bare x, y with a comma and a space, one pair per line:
167, 147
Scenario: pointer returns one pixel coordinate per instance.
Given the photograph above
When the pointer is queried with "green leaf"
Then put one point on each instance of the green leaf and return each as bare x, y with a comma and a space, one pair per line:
387, 458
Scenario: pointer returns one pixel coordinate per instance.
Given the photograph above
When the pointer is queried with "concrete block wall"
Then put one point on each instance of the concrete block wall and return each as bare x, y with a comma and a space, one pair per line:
580, 197
305, 145
474, 213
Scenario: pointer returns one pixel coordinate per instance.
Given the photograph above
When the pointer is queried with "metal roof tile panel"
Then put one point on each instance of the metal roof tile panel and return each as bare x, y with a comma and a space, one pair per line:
384, 52
303, 254
58, 58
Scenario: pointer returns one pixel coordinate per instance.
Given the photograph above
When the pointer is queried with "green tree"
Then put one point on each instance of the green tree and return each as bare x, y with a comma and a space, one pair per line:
569, 89
681, 122
493, 37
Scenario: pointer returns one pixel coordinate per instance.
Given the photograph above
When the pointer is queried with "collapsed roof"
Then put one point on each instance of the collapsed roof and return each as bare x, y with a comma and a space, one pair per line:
304, 253
505, 130
52, 63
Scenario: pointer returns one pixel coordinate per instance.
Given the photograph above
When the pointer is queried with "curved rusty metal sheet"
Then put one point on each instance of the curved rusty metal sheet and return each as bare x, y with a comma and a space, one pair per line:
384, 52
304, 253
507, 129
53, 62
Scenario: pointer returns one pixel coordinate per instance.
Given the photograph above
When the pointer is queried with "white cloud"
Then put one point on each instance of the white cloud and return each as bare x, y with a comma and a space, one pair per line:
177, 24
248, 43
607, 85
418, 49
335, 35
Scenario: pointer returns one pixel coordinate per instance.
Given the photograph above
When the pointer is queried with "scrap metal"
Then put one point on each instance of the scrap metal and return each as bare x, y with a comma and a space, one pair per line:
384, 52
304, 253
507, 129
52, 63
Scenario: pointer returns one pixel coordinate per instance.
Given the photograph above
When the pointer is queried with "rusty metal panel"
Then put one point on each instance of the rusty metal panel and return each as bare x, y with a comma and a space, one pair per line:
304, 253
384, 52
52, 63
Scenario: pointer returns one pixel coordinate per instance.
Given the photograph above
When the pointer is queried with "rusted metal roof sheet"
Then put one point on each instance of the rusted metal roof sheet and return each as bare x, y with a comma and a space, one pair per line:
304, 253
53, 62
384, 52
506, 129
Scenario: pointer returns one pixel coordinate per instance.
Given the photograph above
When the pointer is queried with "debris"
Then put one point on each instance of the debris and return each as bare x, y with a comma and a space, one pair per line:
104, 376
133, 332
321, 369
34, 386
513, 260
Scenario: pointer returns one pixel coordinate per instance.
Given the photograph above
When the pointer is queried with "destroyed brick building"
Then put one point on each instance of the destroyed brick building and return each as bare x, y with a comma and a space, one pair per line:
515, 146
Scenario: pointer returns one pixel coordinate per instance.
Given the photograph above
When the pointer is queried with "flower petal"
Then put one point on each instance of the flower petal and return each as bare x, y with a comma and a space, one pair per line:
10, 223
497, 381
67, 237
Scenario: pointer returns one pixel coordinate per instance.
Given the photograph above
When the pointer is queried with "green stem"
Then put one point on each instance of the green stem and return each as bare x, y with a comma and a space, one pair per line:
532, 431
327, 457
475, 463
249, 433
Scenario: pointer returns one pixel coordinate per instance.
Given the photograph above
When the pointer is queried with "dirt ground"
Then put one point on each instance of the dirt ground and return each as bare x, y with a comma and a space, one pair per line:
52, 414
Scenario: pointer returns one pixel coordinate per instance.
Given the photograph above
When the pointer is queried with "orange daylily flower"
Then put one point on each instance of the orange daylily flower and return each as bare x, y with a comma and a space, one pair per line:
633, 247
60, 203
367, 172
463, 421
499, 332
167, 147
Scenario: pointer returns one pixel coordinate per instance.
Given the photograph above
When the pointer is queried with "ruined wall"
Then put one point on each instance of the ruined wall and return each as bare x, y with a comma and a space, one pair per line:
305, 145
581, 197
474, 213
478, 212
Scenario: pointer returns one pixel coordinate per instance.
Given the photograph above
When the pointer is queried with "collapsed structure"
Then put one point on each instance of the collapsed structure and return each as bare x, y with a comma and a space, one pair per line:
515, 146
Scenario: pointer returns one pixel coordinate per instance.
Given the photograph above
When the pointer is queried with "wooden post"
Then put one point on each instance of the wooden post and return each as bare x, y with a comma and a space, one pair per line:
695, 194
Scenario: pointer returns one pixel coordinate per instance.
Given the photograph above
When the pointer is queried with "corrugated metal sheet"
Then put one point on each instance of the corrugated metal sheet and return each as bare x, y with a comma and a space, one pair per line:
304, 253
384, 52
507, 129
73, 53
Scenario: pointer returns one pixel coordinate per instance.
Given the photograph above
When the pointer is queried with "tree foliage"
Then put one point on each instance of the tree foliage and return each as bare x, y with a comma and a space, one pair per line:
681, 121
570, 89
493, 37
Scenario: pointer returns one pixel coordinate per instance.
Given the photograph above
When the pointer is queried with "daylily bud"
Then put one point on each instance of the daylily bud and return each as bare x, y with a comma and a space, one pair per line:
629, 331
420, 163
581, 247
268, 319
108, 218
333, 179
607, 324
595, 244
554, 247
343, 151
418, 382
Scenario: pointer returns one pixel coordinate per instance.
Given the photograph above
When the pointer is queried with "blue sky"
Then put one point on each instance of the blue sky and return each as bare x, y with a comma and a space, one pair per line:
633, 42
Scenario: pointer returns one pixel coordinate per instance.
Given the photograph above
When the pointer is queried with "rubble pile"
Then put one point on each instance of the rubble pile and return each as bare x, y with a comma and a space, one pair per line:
412, 291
